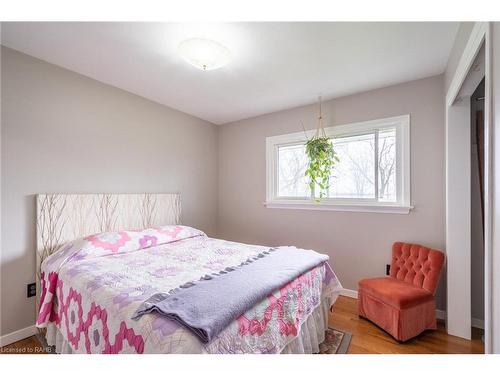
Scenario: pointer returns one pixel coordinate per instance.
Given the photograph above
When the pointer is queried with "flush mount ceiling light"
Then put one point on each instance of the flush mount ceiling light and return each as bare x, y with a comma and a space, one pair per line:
205, 54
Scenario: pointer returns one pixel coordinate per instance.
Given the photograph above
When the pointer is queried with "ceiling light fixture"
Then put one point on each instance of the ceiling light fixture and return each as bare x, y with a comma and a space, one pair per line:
205, 54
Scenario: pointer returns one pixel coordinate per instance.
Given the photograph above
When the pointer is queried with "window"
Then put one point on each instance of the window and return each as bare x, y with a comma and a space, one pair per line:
372, 174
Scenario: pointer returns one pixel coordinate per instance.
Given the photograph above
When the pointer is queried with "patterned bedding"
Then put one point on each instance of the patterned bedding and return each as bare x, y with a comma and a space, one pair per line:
91, 288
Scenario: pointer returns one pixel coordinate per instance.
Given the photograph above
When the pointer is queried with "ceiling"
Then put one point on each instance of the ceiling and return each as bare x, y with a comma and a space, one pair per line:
275, 66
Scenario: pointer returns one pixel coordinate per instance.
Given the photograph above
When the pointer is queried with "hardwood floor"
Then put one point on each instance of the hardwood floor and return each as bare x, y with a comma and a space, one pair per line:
29, 345
366, 337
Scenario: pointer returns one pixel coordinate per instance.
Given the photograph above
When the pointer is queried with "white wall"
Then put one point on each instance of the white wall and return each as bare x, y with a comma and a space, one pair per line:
495, 292
359, 243
458, 218
62, 132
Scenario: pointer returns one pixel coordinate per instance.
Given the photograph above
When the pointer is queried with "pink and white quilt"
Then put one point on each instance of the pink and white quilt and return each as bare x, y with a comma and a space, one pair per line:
92, 286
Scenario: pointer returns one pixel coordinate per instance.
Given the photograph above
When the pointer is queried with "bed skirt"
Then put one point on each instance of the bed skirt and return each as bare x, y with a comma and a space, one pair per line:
310, 335
55, 338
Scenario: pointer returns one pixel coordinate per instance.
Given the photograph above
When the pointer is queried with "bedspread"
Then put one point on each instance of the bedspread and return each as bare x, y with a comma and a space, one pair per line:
91, 288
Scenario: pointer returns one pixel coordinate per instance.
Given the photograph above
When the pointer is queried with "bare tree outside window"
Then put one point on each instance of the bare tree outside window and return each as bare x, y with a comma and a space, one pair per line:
292, 165
354, 174
387, 165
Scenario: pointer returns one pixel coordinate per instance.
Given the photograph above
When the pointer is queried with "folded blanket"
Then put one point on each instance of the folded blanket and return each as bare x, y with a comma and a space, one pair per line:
208, 306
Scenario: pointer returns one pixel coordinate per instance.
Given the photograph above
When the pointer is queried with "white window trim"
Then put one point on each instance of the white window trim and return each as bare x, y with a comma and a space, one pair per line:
402, 125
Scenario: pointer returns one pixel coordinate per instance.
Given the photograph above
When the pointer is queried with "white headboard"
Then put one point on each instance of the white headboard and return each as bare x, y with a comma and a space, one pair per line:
65, 217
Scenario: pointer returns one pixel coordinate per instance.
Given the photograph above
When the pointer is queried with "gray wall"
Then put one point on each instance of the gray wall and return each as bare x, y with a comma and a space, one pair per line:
62, 132
359, 243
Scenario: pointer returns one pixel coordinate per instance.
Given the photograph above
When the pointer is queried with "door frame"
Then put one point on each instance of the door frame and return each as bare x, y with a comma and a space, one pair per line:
481, 33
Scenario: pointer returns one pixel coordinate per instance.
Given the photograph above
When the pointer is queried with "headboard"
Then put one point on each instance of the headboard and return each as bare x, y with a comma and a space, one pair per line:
64, 217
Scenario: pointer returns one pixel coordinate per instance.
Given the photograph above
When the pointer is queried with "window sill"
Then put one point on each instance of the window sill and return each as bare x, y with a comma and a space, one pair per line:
374, 208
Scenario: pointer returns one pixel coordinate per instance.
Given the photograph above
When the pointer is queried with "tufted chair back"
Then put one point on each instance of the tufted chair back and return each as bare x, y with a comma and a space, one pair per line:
417, 265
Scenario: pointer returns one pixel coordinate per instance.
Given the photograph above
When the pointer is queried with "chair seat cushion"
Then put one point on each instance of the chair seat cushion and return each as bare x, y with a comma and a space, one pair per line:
396, 293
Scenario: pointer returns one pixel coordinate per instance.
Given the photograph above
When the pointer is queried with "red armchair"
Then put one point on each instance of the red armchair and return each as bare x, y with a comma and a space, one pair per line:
403, 304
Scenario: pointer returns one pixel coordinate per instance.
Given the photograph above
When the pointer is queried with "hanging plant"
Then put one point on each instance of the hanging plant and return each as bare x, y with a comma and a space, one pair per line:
322, 158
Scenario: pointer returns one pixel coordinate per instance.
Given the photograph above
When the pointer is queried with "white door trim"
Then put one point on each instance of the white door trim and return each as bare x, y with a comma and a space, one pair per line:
471, 49
481, 32
488, 195
458, 219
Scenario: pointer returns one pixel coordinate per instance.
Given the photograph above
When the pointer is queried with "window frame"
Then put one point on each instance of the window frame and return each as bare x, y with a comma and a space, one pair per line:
402, 204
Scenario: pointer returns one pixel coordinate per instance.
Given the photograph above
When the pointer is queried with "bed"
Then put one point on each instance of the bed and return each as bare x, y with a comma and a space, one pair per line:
101, 256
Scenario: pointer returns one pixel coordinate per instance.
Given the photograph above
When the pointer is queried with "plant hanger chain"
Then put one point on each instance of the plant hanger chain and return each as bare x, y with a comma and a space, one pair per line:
322, 157
320, 130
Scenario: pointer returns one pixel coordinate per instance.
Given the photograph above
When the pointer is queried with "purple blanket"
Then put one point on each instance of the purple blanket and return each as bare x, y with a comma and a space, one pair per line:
208, 306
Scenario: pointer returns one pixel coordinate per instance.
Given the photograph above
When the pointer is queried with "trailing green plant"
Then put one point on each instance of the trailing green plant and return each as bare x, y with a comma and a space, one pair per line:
322, 158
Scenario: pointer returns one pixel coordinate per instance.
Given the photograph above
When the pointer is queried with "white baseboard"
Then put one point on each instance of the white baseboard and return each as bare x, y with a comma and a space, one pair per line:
349, 293
18, 335
440, 314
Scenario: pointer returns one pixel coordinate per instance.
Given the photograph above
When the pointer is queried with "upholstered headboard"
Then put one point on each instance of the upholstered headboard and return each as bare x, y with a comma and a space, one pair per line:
65, 217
